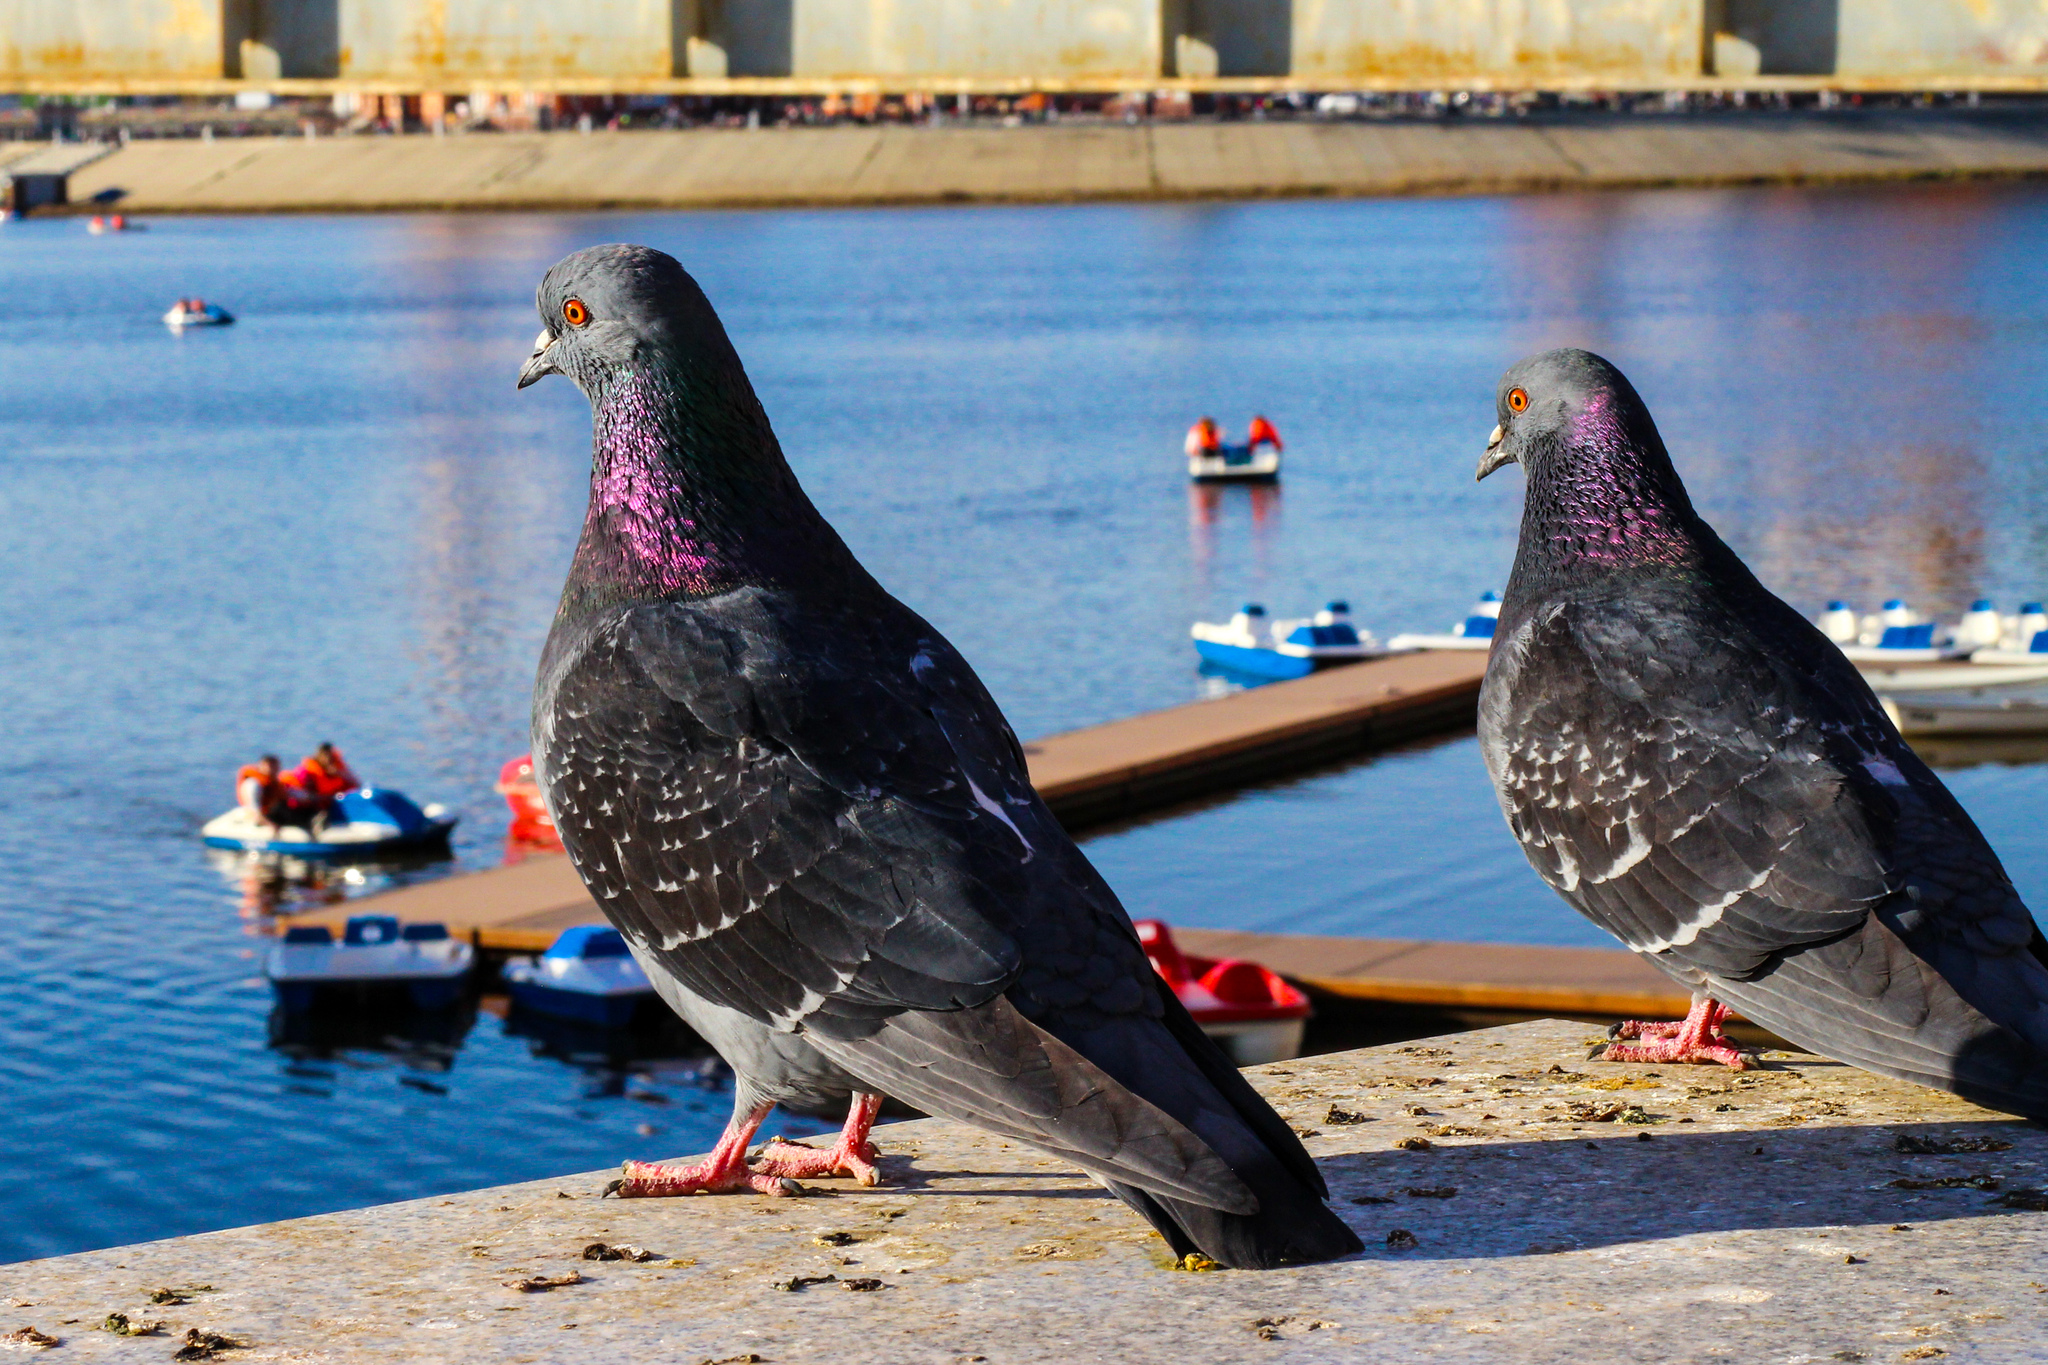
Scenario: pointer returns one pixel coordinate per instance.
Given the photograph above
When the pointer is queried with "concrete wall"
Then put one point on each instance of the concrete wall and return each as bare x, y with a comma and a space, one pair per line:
81, 39
1931, 39
1073, 39
461, 41
1470, 41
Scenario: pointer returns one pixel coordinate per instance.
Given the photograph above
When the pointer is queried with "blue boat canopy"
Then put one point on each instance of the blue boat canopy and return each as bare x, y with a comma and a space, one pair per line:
1908, 637
587, 941
318, 933
435, 932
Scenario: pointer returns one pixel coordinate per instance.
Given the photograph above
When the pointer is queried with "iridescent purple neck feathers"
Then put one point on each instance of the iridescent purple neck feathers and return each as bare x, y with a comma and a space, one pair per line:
685, 505
1602, 495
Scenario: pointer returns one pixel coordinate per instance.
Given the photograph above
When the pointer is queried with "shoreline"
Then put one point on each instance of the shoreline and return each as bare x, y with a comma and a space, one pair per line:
1061, 163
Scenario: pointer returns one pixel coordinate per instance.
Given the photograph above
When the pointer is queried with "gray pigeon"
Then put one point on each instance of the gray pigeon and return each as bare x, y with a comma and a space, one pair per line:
817, 833
1698, 770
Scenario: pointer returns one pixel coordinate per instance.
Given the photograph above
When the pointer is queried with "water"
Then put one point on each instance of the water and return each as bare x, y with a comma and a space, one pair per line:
337, 520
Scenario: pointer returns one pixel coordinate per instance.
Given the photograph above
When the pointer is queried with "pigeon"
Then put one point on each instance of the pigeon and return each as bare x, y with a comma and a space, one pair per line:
1699, 771
818, 835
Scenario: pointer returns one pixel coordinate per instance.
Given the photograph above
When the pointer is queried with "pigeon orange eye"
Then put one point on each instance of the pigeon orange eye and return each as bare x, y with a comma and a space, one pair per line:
1518, 400
576, 314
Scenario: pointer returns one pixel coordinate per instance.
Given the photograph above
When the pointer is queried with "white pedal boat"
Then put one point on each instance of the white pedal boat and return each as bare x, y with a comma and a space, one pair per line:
587, 974
1897, 651
1236, 464
366, 823
1247, 643
375, 951
212, 315
1474, 632
1918, 719
1895, 635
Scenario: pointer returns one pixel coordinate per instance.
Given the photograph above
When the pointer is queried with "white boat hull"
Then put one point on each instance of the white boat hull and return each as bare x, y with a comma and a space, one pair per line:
1262, 466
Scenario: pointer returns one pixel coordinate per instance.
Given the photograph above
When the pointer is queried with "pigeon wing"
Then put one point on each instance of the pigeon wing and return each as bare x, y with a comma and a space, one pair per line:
777, 824
1671, 786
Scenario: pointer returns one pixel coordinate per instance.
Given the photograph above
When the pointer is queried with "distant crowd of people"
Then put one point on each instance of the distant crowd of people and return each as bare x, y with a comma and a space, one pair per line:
1206, 438
299, 797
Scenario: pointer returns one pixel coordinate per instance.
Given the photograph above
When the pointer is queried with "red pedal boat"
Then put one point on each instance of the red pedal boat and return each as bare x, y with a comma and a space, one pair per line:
532, 826
1251, 1010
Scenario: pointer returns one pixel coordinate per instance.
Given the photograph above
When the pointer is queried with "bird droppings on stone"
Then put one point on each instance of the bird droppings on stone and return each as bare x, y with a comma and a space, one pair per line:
1415, 1144
1196, 1263
540, 1284
835, 1239
121, 1325
1922, 1353
1340, 1117
749, 1358
796, 1284
606, 1251
1400, 1239
864, 1285
1854, 1260
1925, 1146
29, 1339
204, 1345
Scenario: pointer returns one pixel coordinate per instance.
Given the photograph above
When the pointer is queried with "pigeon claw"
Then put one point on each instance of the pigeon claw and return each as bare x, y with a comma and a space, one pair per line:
1695, 1039
855, 1160
655, 1180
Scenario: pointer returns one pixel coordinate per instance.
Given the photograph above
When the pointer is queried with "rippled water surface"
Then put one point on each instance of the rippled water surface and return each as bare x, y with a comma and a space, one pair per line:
337, 520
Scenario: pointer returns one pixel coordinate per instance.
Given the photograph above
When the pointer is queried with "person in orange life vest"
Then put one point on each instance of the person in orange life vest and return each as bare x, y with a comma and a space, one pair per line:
324, 775
262, 792
1204, 438
1262, 433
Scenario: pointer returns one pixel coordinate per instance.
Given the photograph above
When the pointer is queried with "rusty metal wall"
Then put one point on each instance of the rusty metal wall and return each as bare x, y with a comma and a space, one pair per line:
1932, 39
1477, 42
490, 41
1066, 39
174, 39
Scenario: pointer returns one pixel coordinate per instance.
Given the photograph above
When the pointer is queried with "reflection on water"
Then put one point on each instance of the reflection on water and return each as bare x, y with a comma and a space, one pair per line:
337, 520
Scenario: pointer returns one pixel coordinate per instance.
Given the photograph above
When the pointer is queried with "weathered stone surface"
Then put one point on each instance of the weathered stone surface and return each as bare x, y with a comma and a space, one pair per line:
1716, 1217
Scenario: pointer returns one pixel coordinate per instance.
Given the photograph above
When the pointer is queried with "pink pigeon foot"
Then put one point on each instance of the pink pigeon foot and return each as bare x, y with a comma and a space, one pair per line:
725, 1169
1695, 1039
852, 1155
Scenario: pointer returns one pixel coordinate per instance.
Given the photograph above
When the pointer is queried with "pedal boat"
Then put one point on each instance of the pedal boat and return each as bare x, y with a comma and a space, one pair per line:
587, 974
1248, 644
1474, 632
367, 823
1257, 1015
375, 951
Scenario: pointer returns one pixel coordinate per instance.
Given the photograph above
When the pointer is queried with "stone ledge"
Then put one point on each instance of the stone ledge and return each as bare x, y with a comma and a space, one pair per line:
1737, 1217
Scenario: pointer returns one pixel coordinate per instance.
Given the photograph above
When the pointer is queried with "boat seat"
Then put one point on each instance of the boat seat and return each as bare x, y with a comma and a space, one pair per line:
1908, 637
1479, 627
2039, 644
425, 933
308, 934
369, 930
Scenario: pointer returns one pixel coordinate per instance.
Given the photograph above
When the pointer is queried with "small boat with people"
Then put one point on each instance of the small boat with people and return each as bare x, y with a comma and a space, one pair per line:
1211, 459
421, 962
319, 810
103, 223
1256, 1014
587, 974
1249, 643
1474, 632
196, 312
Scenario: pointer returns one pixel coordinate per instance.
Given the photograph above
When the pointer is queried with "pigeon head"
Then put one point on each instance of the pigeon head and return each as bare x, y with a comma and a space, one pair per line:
610, 310
689, 492
1600, 484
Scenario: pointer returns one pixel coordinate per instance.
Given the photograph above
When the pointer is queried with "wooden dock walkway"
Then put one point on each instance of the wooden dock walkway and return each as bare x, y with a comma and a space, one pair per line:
1127, 767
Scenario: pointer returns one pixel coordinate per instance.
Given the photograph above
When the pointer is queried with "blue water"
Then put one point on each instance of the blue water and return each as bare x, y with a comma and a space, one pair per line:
336, 520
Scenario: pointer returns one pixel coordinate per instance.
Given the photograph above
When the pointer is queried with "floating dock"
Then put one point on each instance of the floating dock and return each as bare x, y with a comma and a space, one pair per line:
1059, 163
1131, 766
1518, 1206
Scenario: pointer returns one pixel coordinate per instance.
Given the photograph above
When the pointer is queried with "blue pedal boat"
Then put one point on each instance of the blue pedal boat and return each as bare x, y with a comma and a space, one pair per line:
1251, 645
1474, 632
366, 823
587, 974
423, 962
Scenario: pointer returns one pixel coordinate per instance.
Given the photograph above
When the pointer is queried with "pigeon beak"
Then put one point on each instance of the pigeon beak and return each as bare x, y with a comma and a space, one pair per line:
538, 364
1495, 457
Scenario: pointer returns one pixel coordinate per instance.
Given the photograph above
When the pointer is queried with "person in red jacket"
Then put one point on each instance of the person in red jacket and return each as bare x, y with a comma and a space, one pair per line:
1204, 438
1262, 433
322, 776
260, 790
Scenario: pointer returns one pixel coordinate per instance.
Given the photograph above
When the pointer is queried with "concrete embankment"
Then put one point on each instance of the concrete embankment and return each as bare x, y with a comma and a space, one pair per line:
892, 164
1518, 1205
